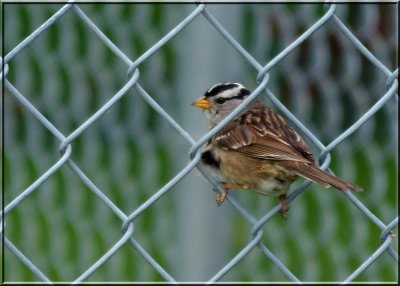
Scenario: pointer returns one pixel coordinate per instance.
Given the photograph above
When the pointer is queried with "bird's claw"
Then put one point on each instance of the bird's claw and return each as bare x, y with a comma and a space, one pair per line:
220, 198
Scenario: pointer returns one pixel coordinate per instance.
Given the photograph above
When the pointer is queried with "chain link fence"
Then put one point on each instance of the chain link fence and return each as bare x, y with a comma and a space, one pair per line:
70, 153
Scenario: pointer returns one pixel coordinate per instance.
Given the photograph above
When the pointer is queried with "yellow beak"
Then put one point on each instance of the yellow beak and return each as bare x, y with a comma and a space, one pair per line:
202, 102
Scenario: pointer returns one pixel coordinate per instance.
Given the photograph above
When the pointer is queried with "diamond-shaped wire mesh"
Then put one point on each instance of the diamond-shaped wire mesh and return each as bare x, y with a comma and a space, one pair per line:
94, 189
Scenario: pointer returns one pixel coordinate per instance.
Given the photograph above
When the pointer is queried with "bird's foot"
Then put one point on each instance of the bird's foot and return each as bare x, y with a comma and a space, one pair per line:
284, 207
221, 196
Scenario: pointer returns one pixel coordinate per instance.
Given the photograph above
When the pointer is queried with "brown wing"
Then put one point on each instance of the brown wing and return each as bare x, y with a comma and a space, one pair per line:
262, 133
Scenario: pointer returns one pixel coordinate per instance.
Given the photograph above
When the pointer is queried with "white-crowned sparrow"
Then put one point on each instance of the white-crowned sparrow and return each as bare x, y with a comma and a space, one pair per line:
257, 150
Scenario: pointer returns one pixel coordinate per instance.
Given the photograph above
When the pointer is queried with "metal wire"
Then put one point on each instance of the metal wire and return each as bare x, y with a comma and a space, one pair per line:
128, 230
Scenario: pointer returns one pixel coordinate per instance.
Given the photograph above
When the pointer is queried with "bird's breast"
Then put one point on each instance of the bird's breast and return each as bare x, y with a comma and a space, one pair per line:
208, 158
266, 177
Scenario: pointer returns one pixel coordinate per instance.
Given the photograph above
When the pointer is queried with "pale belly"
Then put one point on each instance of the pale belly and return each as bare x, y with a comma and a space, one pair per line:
262, 176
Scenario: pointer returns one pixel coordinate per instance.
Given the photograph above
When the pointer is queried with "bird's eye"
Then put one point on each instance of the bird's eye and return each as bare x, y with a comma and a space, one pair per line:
220, 100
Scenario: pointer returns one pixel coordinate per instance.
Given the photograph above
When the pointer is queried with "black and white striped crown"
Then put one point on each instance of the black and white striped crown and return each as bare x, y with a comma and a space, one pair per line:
227, 90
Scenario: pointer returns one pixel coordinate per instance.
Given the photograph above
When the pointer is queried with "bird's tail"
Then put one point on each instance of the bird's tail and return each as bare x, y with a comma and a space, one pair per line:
322, 177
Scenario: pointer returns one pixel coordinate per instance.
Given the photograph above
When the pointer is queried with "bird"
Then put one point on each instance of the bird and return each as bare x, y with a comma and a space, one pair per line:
257, 150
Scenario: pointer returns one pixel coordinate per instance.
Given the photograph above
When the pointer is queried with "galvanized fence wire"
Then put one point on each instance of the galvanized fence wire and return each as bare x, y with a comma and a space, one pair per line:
128, 228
